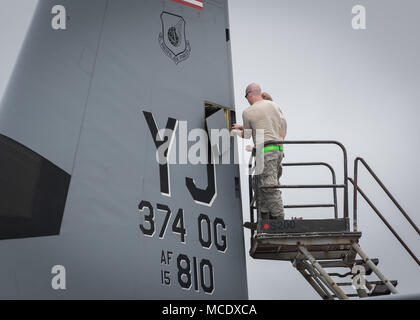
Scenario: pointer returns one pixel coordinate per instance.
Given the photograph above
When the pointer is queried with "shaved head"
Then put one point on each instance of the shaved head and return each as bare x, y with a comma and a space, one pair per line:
253, 93
254, 88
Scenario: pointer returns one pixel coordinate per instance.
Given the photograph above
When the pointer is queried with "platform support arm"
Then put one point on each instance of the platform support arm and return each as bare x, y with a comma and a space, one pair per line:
321, 291
318, 280
374, 268
337, 290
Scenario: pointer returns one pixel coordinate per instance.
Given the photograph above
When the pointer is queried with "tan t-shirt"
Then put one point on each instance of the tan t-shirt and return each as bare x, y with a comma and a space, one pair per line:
265, 115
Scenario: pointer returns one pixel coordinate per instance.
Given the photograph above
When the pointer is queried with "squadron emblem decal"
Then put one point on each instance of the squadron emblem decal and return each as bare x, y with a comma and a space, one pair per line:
172, 39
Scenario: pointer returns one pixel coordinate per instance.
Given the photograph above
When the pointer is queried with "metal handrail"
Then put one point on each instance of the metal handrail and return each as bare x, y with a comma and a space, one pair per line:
333, 186
334, 205
305, 186
356, 161
332, 174
357, 188
325, 142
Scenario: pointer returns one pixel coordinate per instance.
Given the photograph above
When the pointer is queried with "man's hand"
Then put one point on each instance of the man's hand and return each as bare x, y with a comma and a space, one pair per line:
237, 130
237, 126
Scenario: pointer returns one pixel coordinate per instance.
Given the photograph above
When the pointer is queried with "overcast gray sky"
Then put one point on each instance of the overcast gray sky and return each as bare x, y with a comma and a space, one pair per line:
358, 87
332, 82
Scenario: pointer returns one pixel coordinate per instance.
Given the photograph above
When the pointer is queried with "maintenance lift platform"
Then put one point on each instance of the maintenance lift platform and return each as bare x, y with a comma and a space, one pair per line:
314, 246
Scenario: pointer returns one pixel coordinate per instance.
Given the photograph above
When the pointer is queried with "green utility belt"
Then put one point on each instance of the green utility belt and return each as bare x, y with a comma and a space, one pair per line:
271, 148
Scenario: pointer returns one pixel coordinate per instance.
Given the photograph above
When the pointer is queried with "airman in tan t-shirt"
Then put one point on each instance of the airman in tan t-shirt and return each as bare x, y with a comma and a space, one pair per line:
265, 115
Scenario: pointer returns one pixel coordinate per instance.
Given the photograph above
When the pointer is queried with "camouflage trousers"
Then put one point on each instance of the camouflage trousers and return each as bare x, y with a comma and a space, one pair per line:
270, 199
